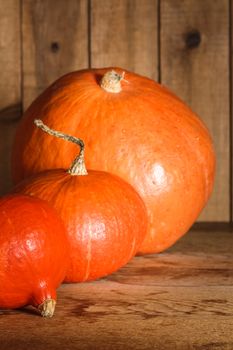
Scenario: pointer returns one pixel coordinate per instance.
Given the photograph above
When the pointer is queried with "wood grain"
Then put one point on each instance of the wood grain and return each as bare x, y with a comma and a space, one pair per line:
124, 34
10, 83
195, 65
55, 42
231, 102
117, 317
10, 88
149, 304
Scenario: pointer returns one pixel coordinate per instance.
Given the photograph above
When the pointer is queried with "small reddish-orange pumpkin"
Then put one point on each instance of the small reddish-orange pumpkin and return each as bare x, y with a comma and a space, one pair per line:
134, 128
105, 218
33, 253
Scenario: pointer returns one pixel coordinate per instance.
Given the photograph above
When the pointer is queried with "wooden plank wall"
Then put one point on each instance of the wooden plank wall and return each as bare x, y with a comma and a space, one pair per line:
195, 64
10, 82
184, 44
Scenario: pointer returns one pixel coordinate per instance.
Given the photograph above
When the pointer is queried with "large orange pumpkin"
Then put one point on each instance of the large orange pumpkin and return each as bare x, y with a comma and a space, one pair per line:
132, 127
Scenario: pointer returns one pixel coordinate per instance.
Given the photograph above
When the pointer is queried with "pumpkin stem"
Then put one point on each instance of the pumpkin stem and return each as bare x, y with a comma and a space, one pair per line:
78, 166
47, 308
111, 81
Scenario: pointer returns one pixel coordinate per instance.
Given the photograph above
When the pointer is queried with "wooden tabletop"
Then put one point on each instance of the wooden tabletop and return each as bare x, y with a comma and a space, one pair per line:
181, 299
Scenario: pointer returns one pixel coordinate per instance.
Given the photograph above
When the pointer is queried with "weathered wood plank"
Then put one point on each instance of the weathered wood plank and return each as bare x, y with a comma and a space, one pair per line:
231, 101
140, 308
114, 316
55, 37
198, 259
10, 83
195, 65
124, 34
10, 88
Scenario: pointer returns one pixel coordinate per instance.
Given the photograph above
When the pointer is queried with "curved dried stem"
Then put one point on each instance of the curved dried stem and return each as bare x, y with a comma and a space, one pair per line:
78, 166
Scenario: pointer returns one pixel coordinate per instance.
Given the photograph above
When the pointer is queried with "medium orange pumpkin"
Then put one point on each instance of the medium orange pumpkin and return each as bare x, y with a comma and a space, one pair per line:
33, 253
106, 219
134, 128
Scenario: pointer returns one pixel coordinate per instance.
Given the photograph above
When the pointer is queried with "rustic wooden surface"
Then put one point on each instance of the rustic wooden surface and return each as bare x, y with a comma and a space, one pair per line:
55, 42
124, 34
10, 49
195, 65
10, 83
181, 299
